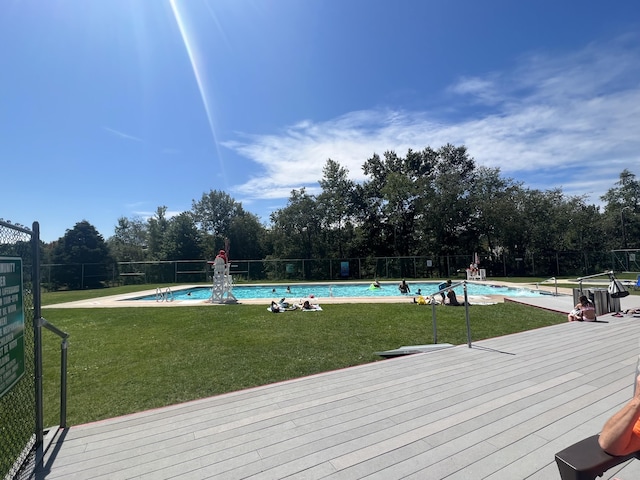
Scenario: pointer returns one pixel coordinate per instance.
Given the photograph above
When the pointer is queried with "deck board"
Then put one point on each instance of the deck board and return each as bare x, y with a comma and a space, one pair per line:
499, 410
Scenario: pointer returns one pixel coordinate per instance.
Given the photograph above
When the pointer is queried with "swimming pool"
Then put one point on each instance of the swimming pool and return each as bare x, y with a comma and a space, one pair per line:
343, 290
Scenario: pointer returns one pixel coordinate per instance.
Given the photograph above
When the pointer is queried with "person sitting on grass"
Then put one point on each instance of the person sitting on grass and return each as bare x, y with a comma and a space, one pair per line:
420, 300
453, 300
441, 288
585, 311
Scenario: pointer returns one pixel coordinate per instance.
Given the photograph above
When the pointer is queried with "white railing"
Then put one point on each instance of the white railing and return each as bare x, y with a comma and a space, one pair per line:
466, 308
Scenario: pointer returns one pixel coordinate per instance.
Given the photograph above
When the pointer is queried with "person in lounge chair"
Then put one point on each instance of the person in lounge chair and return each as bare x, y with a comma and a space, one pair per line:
621, 433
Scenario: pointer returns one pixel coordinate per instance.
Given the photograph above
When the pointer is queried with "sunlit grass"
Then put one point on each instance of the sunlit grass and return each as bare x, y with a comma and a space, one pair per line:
123, 360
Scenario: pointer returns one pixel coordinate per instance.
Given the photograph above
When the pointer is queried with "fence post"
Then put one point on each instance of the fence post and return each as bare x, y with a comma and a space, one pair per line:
63, 383
466, 311
37, 339
433, 317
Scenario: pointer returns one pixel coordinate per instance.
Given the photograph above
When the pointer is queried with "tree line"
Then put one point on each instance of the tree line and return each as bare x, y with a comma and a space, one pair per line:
432, 202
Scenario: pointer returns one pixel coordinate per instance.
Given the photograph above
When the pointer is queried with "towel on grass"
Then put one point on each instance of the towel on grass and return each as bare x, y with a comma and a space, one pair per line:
314, 308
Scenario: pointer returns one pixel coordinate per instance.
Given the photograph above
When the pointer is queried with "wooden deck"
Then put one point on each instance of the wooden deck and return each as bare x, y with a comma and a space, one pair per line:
499, 410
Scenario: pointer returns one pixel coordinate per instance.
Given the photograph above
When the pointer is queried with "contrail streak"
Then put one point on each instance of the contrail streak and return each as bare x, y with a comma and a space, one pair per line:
199, 80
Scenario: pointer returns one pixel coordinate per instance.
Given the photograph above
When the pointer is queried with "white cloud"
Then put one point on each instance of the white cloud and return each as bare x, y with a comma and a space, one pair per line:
571, 120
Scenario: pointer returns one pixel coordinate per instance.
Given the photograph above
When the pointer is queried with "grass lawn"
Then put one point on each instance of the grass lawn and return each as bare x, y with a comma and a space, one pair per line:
124, 360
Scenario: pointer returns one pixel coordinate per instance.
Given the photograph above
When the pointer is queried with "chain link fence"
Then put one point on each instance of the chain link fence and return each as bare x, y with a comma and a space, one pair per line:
558, 264
18, 400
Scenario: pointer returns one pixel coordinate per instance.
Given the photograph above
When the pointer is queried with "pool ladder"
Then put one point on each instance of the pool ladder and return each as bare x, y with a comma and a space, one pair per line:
166, 296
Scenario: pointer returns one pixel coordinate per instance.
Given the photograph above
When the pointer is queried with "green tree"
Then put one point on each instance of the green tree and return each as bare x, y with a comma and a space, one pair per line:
449, 227
295, 229
622, 212
129, 242
246, 237
83, 257
626, 192
493, 204
214, 214
182, 239
393, 199
157, 228
336, 207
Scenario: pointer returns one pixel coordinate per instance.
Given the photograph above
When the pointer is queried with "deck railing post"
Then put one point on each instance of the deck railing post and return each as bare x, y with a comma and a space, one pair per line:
466, 311
433, 316
42, 322
63, 382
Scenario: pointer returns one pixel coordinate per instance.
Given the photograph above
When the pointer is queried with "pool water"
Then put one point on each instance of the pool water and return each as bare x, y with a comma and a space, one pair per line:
351, 290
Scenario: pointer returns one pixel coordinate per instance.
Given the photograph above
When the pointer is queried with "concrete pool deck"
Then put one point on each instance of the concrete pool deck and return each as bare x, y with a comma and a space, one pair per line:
127, 299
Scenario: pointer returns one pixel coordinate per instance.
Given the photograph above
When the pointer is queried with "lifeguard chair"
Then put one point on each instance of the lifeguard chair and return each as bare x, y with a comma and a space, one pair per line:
478, 274
222, 282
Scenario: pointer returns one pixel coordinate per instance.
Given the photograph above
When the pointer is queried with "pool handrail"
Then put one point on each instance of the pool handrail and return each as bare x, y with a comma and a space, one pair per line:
555, 280
166, 296
608, 273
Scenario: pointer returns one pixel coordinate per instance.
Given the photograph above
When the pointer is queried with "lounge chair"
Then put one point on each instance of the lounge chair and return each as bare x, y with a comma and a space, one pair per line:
585, 460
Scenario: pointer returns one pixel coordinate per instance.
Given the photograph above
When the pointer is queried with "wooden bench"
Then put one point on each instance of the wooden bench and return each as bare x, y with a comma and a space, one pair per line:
585, 460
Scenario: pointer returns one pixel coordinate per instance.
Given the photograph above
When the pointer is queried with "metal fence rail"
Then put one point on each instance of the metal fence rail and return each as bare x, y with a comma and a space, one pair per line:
553, 265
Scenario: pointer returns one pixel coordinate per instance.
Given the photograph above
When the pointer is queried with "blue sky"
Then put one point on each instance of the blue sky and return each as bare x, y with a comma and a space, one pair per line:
111, 108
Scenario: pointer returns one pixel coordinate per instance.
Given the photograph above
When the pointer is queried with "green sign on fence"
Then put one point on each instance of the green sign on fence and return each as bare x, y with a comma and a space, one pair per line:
11, 323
